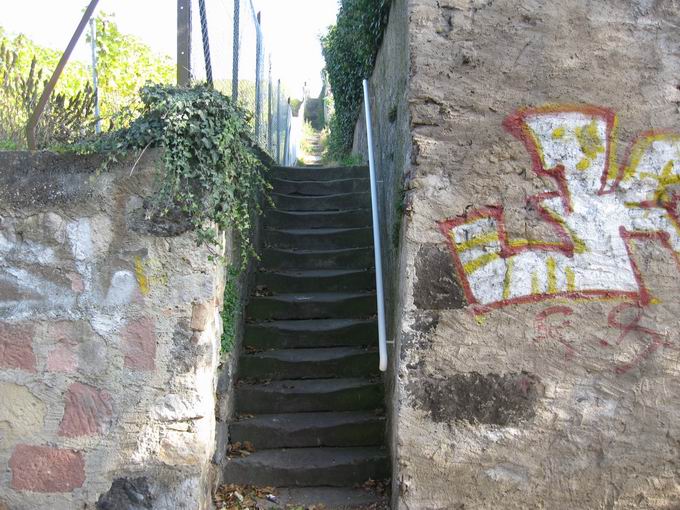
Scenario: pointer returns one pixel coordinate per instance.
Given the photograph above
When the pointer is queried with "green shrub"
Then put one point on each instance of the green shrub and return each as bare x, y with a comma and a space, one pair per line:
210, 171
350, 48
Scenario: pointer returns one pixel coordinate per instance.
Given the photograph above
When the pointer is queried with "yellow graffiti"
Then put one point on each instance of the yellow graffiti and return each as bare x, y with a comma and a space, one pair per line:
551, 266
508, 278
589, 140
558, 133
142, 279
479, 262
571, 279
534, 284
477, 241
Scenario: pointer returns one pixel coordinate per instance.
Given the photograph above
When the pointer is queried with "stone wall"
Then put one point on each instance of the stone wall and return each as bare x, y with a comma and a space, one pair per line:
539, 337
109, 341
388, 87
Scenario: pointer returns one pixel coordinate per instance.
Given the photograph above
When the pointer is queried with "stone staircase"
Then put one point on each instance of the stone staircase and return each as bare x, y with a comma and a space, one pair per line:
309, 397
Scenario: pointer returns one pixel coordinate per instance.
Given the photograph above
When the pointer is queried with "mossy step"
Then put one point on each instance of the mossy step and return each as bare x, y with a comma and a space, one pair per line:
309, 395
339, 201
299, 430
319, 238
309, 363
295, 467
315, 280
317, 188
353, 218
346, 258
327, 305
319, 173
311, 333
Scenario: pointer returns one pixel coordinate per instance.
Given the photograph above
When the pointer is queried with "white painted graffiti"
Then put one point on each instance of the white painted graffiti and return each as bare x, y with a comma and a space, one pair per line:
597, 211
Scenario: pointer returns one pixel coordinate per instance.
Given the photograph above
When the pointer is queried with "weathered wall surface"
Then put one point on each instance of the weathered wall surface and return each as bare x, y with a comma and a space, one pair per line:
388, 88
109, 341
539, 344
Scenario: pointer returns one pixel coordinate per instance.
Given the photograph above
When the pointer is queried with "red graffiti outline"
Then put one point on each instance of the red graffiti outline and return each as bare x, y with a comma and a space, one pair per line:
626, 329
515, 124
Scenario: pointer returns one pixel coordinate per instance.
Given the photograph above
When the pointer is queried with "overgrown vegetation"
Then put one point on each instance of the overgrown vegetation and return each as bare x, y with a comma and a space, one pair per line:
124, 65
210, 171
68, 115
350, 48
231, 308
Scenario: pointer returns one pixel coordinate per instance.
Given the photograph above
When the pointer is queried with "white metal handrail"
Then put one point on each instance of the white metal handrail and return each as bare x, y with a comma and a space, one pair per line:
377, 250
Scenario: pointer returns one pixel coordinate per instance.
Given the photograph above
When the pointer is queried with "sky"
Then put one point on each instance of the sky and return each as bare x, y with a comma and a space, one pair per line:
291, 28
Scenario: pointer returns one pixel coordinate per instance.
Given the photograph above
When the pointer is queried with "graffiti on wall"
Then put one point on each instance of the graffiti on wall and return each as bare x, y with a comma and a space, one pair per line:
597, 211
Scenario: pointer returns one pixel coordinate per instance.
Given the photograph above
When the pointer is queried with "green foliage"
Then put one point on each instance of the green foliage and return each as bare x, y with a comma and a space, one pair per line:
124, 66
350, 48
230, 310
210, 172
68, 114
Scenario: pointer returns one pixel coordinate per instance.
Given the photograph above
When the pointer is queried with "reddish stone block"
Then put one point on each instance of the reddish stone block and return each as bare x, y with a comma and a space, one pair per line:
16, 350
46, 469
139, 344
87, 411
62, 359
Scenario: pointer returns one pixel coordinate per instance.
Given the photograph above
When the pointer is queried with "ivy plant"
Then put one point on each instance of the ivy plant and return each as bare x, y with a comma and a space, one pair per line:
210, 172
349, 49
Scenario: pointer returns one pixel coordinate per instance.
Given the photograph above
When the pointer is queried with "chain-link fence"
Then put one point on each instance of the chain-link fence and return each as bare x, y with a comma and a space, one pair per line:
225, 46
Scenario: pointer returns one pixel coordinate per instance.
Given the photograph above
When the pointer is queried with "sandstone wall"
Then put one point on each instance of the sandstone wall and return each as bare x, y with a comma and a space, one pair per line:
539, 336
109, 342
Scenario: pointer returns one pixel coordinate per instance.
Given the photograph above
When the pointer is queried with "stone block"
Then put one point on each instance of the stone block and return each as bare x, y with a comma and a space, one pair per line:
46, 469
200, 315
181, 448
16, 350
21, 413
62, 358
175, 407
87, 411
139, 344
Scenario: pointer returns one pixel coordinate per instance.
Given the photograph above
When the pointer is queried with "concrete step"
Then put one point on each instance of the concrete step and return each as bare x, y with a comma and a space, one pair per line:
317, 219
311, 333
309, 395
319, 238
319, 173
309, 363
327, 498
347, 258
333, 187
340, 201
296, 467
317, 280
325, 305
300, 430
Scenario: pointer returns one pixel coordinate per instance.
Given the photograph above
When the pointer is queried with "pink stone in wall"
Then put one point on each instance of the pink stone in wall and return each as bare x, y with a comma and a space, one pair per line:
77, 283
87, 411
16, 350
62, 359
139, 344
46, 469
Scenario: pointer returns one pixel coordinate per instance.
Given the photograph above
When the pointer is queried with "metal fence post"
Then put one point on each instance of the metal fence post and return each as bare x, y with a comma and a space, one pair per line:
236, 43
258, 72
47, 91
206, 42
278, 121
183, 42
95, 84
